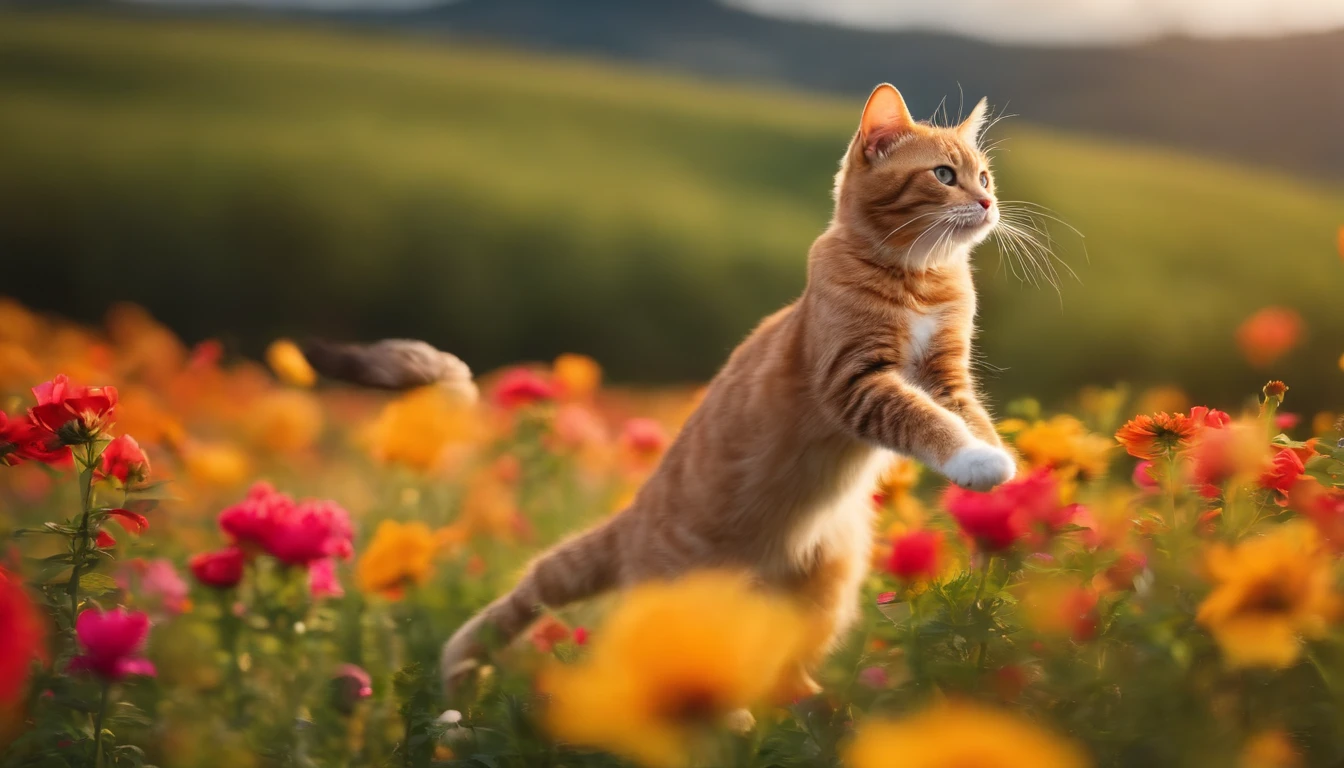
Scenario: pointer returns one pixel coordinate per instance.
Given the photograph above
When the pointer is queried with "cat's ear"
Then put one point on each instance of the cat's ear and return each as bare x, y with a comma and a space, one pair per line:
885, 119
970, 128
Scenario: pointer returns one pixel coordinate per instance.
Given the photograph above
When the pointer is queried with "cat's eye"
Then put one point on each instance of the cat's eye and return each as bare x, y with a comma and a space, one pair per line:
945, 174
984, 180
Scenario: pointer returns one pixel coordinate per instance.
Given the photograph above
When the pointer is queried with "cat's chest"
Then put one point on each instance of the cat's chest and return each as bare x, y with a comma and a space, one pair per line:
920, 334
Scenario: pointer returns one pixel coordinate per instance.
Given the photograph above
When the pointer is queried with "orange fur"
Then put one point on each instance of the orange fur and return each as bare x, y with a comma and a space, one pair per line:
774, 470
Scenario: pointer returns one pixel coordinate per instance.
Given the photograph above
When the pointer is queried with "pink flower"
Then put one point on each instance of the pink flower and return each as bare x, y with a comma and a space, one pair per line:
157, 581
1286, 421
1145, 475
322, 579
915, 555
112, 642
874, 677
580, 636
296, 533
22, 440
220, 570
1000, 517
350, 685
124, 460
310, 530
519, 387
250, 520
885, 598
76, 414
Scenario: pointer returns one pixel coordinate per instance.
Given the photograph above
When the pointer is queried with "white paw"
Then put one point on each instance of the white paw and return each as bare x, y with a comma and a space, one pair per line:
980, 466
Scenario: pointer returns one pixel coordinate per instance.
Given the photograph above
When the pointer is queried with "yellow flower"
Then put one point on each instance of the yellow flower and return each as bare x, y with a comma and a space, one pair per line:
289, 364
419, 429
672, 656
958, 736
578, 376
1063, 444
1270, 749
398, 554
1269, 592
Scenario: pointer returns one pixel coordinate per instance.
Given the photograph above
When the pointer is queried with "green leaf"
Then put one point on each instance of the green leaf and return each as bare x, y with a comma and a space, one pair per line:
94, 584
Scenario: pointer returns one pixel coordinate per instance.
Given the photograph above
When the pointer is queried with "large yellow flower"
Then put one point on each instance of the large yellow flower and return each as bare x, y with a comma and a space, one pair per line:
673, 656
399, 554
1064, 444
1269, 593
960, 736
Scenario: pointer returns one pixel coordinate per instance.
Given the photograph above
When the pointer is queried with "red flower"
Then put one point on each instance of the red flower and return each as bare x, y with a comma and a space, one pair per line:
1000, 517
1282, 474
112, 642
1323, 506
76, 414
580, 636
519, 387
916, 555
1212, 418
22, 440
20, 642
250, 520
130, 521
1148, 437
104, 540
124, 460
1268, 334
220, 570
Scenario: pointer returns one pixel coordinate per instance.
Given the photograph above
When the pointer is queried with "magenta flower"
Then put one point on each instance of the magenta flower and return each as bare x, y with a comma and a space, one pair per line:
322, 580
112, 641
309, 531
296, 533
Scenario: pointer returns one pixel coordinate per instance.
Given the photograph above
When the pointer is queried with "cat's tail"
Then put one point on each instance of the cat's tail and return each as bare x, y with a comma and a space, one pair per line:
579, 567
395, 364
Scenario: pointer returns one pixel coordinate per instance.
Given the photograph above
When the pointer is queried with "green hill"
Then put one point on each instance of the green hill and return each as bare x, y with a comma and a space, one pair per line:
247, 180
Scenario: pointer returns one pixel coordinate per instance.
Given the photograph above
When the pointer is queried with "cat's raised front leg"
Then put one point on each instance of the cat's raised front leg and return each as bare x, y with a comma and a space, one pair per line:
875, 403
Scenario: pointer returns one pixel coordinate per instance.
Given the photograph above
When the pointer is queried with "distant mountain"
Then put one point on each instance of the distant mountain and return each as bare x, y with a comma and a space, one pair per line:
1276, 102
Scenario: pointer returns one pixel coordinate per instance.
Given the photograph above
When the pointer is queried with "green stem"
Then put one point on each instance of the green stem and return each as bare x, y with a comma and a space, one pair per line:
98, 726
82, 535
982, 650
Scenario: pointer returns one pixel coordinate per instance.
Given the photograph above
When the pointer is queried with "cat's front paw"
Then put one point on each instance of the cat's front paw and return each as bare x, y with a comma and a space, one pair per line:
980, 466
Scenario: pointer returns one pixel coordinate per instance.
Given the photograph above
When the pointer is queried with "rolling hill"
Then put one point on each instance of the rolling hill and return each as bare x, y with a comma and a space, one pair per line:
248, 180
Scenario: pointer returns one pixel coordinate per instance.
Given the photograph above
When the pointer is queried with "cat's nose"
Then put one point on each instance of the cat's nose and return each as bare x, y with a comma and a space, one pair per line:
985, 202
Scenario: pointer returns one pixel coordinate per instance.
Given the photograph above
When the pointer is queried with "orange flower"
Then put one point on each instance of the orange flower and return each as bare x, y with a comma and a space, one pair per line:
576, 376
1268, 334
547, 633
1148, 437
287, 361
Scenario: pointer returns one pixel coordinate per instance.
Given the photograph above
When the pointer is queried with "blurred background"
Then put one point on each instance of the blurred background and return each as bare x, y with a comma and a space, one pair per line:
640, 181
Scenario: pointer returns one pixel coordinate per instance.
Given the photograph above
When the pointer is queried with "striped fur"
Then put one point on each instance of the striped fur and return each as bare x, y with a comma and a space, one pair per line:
773, 472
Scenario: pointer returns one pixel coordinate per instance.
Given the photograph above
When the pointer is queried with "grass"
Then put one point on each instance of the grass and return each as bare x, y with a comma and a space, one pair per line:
250, 180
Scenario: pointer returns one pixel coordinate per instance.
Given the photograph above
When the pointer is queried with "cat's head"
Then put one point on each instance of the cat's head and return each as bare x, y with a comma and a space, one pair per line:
920, 193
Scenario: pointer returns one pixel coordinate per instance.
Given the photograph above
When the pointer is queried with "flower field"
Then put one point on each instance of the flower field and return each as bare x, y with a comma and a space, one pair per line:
212, 561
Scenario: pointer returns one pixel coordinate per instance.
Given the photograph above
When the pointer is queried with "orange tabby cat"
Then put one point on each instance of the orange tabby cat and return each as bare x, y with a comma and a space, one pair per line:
773, 472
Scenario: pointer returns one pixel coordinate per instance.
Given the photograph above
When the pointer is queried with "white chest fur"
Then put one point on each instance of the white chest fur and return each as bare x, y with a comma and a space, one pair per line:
921, 330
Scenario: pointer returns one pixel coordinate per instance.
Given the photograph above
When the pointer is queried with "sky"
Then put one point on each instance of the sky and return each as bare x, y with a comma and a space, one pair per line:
1068, 21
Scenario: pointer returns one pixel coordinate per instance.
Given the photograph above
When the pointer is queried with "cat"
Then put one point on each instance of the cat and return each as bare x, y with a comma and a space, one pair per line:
773, 472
